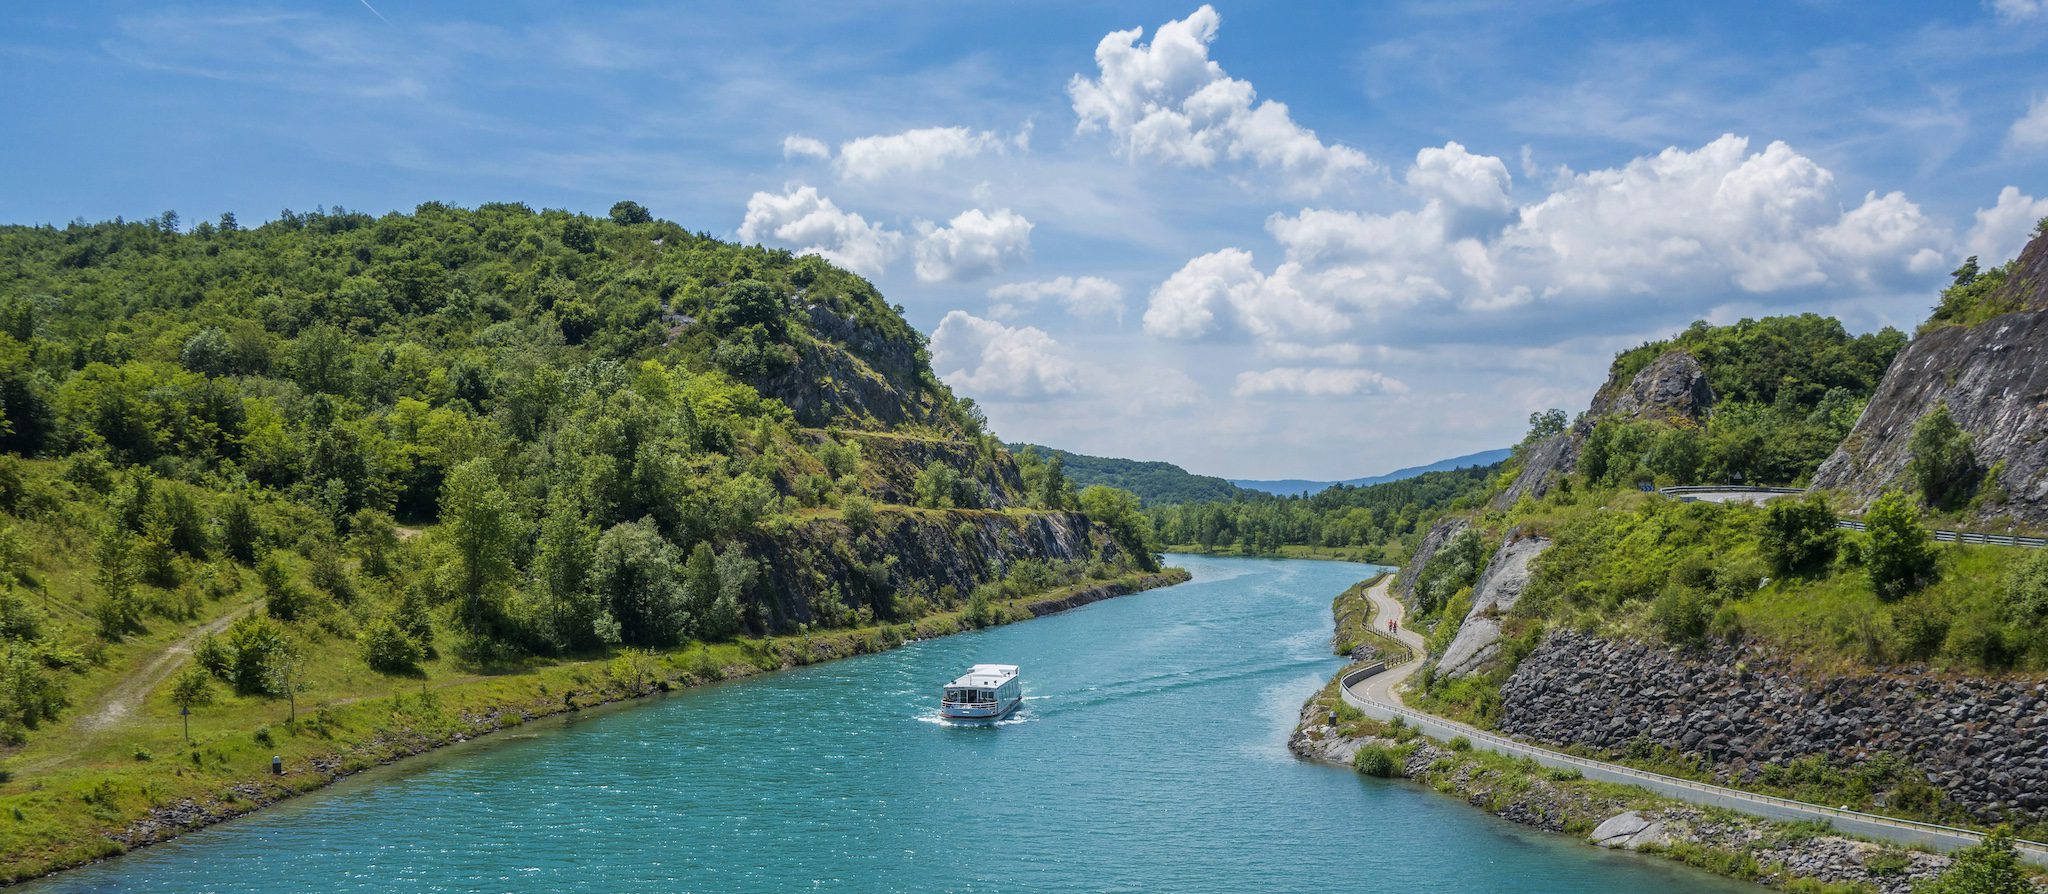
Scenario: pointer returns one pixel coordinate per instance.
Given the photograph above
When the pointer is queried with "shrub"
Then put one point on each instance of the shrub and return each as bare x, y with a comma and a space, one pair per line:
2026, 590
387, 648
1900, 559
1373, 760
1942, 464
1799, 537
1460, 743
859, 512
1988, 867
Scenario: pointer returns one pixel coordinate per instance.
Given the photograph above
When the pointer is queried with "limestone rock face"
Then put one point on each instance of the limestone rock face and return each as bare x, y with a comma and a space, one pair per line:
1500, 587
1994, 379
1443, 532
1674, 386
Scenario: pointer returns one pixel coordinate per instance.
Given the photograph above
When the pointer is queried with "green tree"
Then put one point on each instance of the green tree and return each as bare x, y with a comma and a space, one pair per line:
1942, 463
1544, 423
191, 688
1117, 511
1901, 558
28, 694
482, 526
118, 611
208, 353
284, 673
1991, 866
629, 213
1799, 536
562, 566
283, 598
241, 533
635, 573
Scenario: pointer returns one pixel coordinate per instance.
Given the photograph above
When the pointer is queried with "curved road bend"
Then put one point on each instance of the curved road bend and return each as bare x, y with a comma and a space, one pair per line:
1379, 697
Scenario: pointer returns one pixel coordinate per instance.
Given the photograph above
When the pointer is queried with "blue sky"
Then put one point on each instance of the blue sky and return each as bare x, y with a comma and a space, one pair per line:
1256, 239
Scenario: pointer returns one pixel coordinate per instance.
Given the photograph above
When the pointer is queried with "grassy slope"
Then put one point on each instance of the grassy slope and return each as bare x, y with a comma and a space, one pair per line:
75, 794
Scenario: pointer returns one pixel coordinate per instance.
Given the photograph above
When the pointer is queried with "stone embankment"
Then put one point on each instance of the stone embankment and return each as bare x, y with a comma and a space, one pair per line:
1982, 742
1620, 817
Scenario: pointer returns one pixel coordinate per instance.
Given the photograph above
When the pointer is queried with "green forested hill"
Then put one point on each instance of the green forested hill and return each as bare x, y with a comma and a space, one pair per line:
1156, 483
464, 452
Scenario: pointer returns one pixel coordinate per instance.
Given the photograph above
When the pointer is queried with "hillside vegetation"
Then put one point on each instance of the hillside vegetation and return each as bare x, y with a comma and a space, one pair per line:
343, 486
1624, 563
1374, 523
1156, 483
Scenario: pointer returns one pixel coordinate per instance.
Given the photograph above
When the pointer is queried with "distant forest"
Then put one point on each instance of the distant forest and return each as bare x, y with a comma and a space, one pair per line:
1156, 483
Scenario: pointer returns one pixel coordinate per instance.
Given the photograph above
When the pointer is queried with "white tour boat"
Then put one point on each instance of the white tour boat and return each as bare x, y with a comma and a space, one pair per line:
985, 692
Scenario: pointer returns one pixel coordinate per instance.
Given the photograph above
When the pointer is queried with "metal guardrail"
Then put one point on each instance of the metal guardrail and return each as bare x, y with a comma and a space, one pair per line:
1935, 834
1944, 536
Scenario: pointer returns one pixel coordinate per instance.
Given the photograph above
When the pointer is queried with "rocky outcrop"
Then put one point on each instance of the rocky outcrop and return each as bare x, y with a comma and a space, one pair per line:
895, 460
1983, 742
1994, 379
1500, 586
1674, 386
822, 567
852, 374
1439, 534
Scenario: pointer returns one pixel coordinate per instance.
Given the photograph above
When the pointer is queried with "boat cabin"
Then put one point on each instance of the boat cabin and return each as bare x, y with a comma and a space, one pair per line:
984, 686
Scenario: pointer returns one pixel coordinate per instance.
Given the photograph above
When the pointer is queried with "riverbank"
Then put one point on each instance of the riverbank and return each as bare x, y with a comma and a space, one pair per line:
1362, 554
1799, 856
59, 829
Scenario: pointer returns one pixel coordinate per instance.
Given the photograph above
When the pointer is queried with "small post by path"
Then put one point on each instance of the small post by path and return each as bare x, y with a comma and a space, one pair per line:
186, 712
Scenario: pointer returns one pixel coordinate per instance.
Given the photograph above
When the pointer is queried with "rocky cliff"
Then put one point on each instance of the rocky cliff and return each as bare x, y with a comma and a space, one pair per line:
1982, 742
1443, 532
822, 568
855, 375
1500, 586
1674, 386
1994, 379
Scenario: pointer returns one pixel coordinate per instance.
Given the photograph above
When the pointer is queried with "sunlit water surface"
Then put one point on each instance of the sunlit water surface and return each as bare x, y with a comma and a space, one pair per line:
1150, 756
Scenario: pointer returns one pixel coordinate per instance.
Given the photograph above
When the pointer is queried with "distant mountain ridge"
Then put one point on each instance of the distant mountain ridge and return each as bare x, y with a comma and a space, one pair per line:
1156, 483
1289, 487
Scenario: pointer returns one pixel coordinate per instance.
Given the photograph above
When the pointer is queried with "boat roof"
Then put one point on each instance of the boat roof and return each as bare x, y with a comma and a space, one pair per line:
986, 675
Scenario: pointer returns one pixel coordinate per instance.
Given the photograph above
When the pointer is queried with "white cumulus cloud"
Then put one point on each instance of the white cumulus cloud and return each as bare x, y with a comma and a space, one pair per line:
972, 245
989, 359
801, 219
2019, 10
797, 146
1086, 296
1458, 177
1167, 100
2031, 130
1226, 286
912, 151
1678, 231
1315, 382
2004, 228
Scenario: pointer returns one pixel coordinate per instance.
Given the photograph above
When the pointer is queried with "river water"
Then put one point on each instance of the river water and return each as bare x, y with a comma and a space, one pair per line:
1150, 756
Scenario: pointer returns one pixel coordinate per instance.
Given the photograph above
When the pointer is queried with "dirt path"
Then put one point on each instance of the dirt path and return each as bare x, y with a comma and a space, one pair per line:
122, 701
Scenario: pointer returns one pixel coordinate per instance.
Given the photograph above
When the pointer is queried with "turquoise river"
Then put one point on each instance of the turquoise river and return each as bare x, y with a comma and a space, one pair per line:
1150, 756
